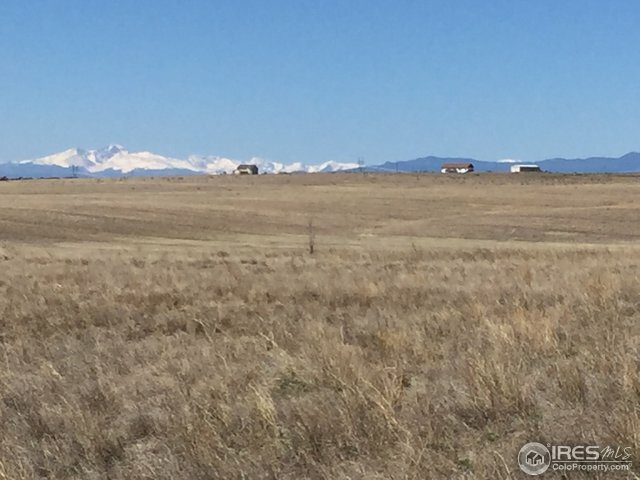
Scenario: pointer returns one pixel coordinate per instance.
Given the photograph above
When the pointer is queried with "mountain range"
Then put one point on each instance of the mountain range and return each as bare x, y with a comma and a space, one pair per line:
628, 163
115, 160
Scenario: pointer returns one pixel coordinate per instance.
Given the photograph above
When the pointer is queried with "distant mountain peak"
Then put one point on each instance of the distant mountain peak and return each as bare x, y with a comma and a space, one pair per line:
112, 149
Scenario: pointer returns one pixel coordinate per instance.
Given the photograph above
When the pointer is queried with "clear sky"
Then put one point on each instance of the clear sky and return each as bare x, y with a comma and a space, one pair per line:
315, 80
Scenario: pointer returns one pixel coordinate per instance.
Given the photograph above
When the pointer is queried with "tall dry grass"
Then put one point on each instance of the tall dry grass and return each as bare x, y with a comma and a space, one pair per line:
341, 365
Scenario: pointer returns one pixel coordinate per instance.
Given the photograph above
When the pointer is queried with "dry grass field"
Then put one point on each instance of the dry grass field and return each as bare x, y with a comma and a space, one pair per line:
180, 328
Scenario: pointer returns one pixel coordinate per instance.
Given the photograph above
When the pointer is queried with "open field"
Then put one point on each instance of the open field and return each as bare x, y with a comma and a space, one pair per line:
180, 328
345, 209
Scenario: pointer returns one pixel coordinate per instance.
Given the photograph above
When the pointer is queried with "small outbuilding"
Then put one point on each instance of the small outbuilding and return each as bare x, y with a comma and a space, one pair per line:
525, 168
246, 169
4, 179
456, 167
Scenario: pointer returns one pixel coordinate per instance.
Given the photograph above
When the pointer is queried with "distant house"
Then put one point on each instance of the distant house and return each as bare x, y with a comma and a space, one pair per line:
456, 167
246, 169
4, 179
525, 168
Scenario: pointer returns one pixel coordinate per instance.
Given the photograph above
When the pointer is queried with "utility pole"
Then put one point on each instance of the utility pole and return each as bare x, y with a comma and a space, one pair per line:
360, 163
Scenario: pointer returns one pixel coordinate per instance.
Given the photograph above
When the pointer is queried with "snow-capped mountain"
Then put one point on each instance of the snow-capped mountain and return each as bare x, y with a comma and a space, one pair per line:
113, 157
117, 160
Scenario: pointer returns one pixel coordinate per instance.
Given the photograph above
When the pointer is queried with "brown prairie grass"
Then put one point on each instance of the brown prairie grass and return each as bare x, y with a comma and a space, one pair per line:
367, 365
385, 361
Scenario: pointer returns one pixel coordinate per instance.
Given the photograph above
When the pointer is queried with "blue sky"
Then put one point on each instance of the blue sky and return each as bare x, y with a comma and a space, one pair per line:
315, 80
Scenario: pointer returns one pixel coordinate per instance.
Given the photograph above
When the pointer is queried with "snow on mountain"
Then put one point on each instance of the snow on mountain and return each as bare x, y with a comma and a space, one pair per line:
332, 166
125, 162
113, 157
73, 157
116, 158
216, 165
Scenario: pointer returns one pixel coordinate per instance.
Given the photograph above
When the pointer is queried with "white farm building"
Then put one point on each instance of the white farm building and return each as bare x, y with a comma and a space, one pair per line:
525, 168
